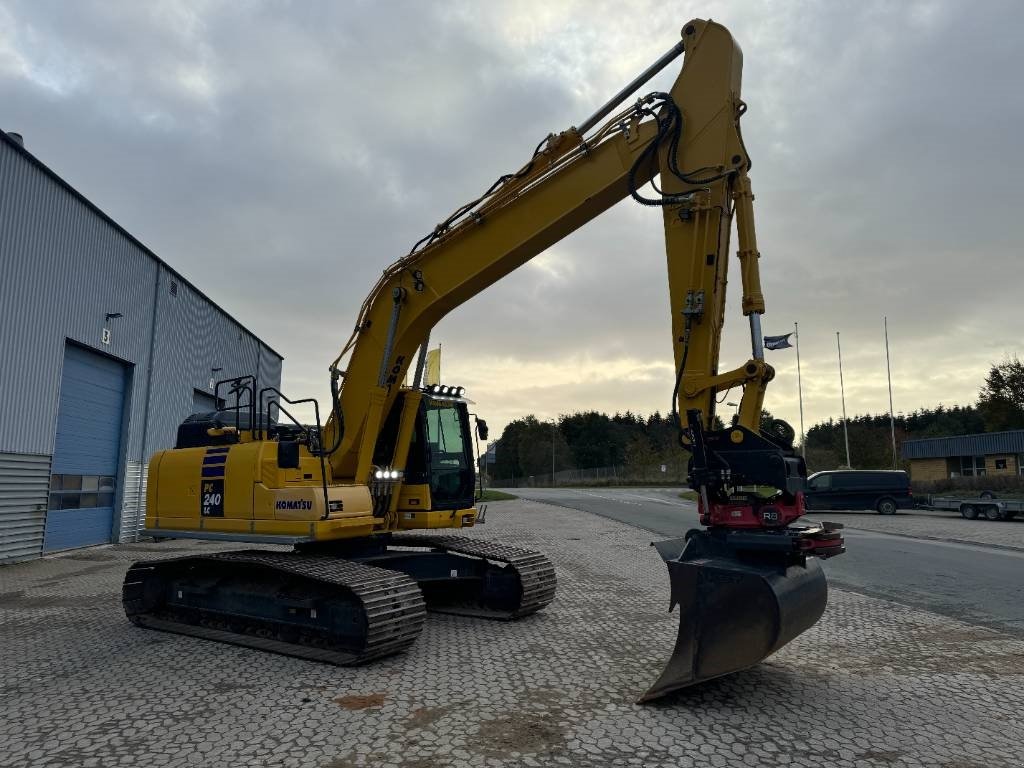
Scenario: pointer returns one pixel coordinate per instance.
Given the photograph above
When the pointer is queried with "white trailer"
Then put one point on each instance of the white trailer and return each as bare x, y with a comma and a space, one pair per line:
987, 506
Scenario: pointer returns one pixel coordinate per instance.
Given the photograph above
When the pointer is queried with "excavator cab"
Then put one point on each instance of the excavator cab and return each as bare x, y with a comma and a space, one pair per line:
441, 454
439, 474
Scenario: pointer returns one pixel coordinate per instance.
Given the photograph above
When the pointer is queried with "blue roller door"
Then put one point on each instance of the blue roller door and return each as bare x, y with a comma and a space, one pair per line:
85, 456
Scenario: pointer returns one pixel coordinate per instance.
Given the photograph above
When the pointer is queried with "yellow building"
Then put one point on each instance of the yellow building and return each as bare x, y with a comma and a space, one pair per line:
992, 454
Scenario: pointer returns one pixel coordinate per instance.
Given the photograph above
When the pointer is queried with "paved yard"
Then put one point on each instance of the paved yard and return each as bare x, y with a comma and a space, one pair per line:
870, 685
948, 526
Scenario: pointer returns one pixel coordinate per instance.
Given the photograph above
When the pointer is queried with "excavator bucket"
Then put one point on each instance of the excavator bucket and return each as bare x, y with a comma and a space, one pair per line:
736, 607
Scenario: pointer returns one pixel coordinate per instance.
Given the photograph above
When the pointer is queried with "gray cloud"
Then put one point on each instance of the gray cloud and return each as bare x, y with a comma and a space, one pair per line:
282, 154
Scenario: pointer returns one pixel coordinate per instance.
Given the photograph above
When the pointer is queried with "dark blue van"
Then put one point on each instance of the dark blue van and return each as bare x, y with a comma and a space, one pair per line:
882, 490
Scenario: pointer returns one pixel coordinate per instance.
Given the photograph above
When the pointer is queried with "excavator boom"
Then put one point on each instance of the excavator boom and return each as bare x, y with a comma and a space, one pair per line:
573, 177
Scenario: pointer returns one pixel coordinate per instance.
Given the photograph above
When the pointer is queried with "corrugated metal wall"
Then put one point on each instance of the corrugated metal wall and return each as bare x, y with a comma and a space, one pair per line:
192, 339
133, 501
24, 483
63, 268
965, 445
270, 369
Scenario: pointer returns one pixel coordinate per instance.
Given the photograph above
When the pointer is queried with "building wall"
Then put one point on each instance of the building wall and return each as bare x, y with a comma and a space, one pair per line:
928, 470
24, 482
1009, 470
63, 268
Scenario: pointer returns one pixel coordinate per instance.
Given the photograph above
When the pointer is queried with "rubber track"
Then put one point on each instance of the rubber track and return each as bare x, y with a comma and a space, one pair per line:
392, 602
536, 573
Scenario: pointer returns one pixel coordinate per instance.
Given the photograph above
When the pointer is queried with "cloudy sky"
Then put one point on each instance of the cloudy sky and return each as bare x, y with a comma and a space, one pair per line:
281, 154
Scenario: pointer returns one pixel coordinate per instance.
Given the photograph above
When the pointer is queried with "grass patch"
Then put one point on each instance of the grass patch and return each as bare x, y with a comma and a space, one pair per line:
491, 495
688, 495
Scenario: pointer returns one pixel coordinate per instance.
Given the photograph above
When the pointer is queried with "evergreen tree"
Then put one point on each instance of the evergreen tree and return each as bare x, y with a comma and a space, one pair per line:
639, 444
1001, 400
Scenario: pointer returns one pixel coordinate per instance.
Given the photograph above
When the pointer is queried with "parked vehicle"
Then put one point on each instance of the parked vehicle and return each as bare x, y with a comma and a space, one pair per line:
986, 505
883, 491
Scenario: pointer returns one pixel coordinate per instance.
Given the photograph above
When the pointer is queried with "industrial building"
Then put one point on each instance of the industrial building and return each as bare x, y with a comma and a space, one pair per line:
991, 454
104, 350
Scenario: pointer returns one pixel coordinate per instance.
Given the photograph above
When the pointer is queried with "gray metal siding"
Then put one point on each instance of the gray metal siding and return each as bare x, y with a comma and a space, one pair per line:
192, 338
270, 368
965, 445
24, 486
61, 271
63, 266
133, 501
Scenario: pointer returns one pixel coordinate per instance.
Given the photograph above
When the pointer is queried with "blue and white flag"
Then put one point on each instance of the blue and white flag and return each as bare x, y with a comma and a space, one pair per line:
777, 342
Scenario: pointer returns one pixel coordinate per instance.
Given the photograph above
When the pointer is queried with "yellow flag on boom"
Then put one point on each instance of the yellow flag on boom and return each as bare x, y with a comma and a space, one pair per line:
433, 372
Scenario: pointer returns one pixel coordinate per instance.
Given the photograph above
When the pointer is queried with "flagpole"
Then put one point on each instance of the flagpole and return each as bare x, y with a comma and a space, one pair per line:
842, 395
421, 361
800, 391
888, 373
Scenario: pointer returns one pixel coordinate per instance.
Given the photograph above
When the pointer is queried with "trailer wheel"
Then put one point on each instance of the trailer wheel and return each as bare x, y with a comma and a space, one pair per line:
992, 513
968, 511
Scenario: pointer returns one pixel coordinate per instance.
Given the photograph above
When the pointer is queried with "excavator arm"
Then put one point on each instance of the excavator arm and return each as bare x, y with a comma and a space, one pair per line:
573, 177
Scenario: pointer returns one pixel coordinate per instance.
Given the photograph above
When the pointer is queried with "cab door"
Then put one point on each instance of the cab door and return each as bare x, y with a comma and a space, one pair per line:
448, 451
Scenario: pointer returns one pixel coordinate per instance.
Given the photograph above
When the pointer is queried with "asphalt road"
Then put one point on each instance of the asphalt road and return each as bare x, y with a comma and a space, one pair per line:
973, 583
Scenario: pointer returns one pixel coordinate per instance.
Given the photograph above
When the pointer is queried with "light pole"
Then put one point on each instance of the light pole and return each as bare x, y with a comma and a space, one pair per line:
888, 372
842, 395
800, 392
553, 428
735, 412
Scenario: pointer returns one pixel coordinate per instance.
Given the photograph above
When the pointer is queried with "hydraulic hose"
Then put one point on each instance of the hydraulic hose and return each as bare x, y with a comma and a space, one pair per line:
339, 417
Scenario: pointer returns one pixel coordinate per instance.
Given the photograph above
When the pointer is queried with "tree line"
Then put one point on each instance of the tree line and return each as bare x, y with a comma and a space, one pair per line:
628, 440
1000, 407
590, 439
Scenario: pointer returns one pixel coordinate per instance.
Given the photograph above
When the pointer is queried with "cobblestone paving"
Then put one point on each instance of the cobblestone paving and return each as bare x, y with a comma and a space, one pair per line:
870, 685
948, 526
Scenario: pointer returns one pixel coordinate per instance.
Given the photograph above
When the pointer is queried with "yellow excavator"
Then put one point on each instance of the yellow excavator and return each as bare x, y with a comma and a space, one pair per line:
352, 496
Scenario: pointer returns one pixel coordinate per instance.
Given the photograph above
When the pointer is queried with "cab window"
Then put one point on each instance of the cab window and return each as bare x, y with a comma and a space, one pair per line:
444, 434
448, 455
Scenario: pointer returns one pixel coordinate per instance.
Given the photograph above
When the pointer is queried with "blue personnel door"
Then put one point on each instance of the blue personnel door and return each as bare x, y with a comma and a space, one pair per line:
85, 455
